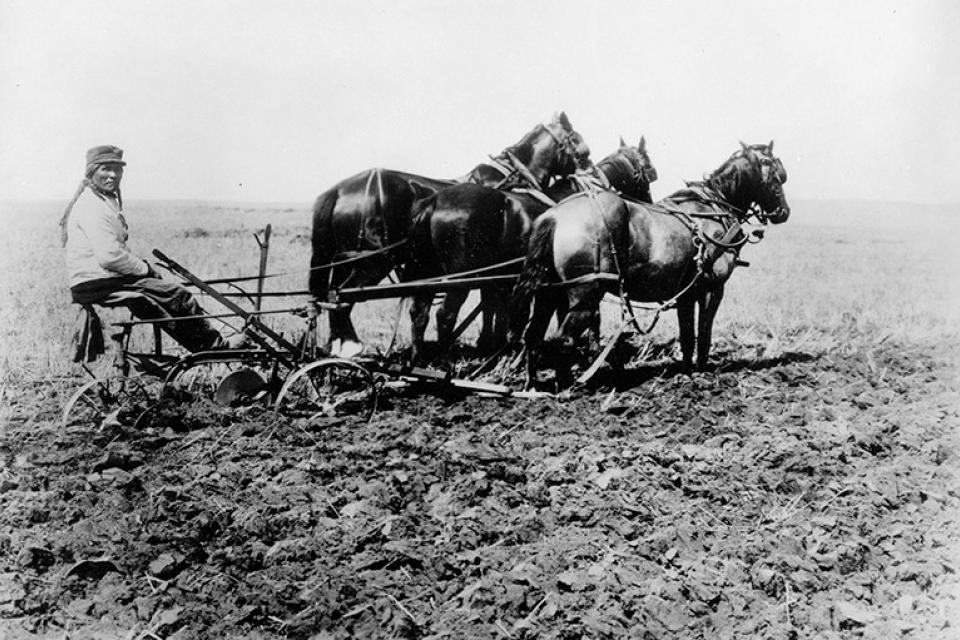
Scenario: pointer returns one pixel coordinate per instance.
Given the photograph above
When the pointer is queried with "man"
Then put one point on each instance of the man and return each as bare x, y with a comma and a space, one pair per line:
100, 264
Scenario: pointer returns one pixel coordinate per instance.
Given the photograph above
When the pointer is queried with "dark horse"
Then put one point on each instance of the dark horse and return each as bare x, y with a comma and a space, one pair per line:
368, 216
470, 227
682, 249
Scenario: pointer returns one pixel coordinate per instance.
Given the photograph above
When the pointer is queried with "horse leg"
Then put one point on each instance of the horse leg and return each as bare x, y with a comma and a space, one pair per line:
487, 320
582, 320
495, 304
709, 303
581, 326
685, 312
419, 318
544, 305
343, 340
563, 308
501, 319
447, 317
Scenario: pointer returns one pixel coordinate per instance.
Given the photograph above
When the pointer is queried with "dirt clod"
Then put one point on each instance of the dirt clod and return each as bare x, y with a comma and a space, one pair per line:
793, 497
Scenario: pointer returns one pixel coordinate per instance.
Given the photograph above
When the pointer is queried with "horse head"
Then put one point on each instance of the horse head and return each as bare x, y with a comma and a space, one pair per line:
569, 150
773, 175
630, 171
754, 176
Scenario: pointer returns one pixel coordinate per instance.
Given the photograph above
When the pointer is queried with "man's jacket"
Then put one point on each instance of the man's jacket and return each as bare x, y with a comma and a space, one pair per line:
97, 241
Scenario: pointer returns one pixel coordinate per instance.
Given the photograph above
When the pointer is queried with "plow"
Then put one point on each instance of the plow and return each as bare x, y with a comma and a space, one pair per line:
296, 377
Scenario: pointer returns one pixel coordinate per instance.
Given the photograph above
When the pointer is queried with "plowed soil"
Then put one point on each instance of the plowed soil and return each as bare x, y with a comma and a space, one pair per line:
795, 495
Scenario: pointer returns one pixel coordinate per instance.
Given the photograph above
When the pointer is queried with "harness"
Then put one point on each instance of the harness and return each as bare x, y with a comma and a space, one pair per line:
512, 168
729, 216
347, 257
733, 238
509, 165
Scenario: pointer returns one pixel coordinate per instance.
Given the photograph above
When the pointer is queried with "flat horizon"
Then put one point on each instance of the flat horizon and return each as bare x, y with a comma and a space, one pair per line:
294, 203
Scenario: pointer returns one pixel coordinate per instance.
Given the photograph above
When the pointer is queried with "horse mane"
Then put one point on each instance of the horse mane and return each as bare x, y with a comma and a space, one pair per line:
523, 149
620, 166
727, 179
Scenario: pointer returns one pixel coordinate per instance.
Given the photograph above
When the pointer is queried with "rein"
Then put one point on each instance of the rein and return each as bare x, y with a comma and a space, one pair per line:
626, 308
508, 164
700, 241
513, 168
356, 257
699, 192
523, 170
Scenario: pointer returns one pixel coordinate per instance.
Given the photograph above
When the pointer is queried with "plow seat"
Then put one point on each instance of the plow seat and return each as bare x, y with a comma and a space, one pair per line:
87, 342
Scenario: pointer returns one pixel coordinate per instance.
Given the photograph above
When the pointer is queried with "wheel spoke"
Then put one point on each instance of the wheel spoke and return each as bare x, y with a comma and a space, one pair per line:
328, 389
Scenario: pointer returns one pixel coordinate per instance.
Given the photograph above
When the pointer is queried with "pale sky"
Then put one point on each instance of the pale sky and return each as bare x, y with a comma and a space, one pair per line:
277, 100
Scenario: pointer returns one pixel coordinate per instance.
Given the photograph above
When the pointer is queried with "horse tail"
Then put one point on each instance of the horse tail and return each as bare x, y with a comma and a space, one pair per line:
322, 243
538, 269
420, 251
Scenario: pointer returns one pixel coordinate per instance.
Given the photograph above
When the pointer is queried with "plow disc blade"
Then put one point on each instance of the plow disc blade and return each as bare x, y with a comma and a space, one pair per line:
239, 385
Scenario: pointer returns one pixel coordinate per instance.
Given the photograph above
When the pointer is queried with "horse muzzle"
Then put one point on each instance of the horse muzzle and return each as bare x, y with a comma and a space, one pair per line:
780, 215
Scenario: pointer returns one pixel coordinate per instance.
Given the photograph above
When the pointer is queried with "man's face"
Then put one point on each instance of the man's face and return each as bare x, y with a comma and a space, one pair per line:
107, 177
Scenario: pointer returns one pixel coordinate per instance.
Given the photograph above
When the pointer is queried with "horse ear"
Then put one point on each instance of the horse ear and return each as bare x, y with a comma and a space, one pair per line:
622, 142
643, 145
770, 147
562, 119
745, 147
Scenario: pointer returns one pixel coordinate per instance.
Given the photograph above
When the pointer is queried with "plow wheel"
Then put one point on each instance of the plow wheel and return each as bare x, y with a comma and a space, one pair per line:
328, 388
97, 399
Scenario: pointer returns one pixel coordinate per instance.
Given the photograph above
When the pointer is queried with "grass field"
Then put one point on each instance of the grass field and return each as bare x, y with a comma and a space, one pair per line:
835, 267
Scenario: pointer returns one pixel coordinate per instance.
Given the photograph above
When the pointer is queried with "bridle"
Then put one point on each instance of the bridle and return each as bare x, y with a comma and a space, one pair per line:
565, 149
566, 145
770, 169
768, 166
640, 175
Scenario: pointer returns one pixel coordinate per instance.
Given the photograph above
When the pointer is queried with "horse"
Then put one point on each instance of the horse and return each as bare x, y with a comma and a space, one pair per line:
361, 223
470, 227
627, 171
681, 250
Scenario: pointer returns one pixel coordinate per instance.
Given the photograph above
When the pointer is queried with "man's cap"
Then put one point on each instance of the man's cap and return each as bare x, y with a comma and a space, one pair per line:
104, 154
